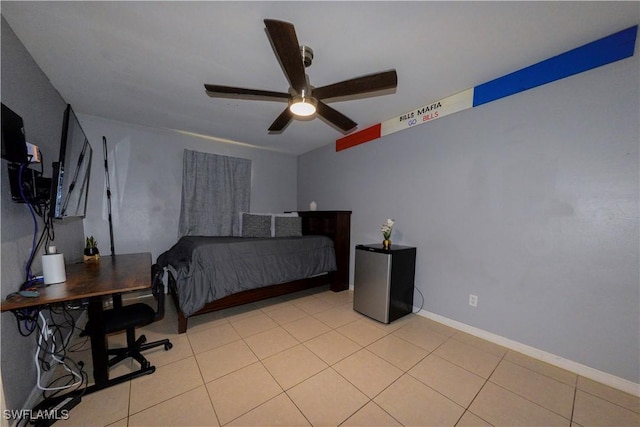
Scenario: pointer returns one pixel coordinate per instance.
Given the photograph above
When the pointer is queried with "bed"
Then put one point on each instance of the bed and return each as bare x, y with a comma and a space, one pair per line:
317, 258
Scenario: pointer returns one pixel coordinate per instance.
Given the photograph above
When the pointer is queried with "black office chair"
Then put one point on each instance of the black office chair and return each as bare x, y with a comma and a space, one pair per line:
129, 317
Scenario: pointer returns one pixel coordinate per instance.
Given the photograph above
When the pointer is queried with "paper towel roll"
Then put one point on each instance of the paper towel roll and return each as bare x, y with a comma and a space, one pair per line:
53, 268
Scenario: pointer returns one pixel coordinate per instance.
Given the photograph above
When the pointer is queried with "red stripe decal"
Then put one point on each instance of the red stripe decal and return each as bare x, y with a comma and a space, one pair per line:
365, 135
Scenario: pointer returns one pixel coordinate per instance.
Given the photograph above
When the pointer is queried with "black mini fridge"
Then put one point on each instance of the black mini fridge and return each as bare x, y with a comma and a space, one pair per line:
384, 281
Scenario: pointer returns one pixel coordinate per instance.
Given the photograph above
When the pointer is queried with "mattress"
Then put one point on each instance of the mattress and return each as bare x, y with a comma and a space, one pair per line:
209, 268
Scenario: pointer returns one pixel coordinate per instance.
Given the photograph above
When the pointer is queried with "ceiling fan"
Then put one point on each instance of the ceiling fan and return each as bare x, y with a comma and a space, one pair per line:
303, 99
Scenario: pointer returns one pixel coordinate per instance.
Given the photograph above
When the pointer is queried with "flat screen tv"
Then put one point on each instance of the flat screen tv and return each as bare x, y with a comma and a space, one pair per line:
70, 179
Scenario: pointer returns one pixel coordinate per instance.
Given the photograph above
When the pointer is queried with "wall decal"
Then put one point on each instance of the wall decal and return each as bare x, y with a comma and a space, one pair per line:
604, 51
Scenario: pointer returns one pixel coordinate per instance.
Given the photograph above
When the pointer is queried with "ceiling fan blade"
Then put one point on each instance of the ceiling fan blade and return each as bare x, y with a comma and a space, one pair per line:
218, 91
336, 118
281, 121
359, 85
285, 44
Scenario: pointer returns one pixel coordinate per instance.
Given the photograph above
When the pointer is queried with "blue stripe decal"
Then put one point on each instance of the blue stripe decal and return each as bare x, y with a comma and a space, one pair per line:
595, 54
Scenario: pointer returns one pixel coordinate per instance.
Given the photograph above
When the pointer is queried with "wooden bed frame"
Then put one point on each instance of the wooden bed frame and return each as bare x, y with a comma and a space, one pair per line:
333, 224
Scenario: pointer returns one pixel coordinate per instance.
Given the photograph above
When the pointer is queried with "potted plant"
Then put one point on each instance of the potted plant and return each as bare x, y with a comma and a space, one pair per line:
386, 230
91, 252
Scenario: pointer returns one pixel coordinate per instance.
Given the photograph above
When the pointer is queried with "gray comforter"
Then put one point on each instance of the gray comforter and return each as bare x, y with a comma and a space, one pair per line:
210, 268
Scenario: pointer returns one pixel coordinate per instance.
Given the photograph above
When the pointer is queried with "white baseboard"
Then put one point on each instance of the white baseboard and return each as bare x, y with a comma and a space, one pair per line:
575, 367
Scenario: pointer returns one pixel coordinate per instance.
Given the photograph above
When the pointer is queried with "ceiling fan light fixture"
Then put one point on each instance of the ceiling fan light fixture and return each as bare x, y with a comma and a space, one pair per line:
303, 105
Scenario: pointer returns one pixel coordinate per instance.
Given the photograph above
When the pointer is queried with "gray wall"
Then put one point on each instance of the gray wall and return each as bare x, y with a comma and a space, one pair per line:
530, 203
28, 92
145, 170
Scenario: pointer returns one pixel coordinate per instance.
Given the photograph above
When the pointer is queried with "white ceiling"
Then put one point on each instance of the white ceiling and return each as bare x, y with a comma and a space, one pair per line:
146, 62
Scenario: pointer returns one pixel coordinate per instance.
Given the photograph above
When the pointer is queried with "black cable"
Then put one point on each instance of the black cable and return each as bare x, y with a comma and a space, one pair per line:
38, 204
41, 161
35, 221
62, 325
70, 379
29, 318
422, 296
67, 321
44, 233
40, 209
48, 223
79, 346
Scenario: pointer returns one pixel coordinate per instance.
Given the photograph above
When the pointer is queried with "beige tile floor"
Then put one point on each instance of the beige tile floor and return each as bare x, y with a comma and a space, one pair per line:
309, 359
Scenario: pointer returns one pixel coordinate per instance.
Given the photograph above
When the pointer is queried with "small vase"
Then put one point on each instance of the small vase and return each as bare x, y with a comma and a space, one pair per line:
91, 255
386, 244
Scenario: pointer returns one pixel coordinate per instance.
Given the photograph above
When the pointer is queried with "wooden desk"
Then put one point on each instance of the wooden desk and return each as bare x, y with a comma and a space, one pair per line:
93, 281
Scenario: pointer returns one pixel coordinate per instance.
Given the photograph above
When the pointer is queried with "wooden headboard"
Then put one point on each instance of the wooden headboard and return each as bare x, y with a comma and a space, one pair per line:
337, 226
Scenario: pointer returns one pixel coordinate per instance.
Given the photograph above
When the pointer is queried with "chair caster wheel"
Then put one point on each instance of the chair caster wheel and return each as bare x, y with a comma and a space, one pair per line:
146, 365
168, 346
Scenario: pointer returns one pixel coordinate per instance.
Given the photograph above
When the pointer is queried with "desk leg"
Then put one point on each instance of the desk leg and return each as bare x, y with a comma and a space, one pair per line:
99, 347
98, 343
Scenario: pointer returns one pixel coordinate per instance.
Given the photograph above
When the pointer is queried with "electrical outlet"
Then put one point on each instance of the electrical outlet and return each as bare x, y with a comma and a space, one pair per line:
473, 300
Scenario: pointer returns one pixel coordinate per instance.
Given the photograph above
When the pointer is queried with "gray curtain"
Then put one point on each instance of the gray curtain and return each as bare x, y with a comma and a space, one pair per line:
215, 189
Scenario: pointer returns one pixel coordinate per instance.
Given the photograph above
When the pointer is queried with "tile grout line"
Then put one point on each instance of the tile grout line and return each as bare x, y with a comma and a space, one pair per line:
204, 383
524, 397
609, 401
480, 389
573, 402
